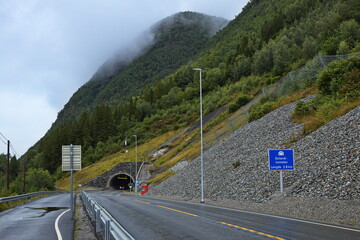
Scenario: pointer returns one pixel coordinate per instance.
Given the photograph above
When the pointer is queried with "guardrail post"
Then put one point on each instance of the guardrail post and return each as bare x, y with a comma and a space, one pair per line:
104, 222
107, 230
97, 221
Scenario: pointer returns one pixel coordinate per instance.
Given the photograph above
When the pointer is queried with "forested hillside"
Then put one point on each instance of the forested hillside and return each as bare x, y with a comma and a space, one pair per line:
158, 91
159, 52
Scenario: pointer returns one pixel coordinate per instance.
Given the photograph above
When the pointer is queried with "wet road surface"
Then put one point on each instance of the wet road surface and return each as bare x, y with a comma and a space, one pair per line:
36, 220
147, 218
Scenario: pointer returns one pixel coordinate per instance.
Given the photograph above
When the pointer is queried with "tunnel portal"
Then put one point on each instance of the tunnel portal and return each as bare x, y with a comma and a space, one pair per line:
120, 181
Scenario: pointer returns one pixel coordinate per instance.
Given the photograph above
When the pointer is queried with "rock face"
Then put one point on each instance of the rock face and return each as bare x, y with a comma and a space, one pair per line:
102, 180
327, 162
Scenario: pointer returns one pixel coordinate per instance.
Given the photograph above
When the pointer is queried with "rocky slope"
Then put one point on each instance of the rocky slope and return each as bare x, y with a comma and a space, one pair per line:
327, 169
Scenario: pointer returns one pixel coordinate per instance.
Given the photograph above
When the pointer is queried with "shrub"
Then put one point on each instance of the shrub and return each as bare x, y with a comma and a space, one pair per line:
327, 111
334, 77
236, 164
301, 109
241, 101
259, 110
38, 180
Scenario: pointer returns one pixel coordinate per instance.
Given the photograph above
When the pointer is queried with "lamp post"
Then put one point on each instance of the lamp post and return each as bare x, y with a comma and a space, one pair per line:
201, 141
136, 153
126, 151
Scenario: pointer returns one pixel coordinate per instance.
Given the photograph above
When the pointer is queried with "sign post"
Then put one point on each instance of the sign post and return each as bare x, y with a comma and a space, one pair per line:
71, 160
282, 159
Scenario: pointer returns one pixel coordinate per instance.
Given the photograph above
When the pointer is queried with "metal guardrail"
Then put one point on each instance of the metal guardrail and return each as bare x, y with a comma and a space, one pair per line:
104, 222
26, 196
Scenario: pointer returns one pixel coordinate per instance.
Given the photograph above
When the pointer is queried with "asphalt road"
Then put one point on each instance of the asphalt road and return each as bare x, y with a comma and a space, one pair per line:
36, 220
147, 218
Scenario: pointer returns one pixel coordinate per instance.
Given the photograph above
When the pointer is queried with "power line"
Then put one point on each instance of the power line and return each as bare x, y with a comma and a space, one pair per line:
11, 146
3, 136
14, 151
3, 141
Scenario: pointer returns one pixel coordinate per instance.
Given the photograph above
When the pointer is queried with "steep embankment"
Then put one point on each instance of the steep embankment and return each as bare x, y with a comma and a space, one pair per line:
327, 170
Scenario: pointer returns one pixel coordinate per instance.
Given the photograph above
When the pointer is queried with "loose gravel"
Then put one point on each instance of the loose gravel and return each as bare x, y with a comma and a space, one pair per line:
324, 186
84, 230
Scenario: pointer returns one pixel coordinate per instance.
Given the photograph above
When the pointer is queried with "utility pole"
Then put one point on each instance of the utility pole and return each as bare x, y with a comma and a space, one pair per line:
24, 173
8, 166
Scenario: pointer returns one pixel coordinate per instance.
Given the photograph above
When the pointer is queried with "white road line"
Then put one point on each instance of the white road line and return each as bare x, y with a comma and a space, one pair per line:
295, 219
57, 225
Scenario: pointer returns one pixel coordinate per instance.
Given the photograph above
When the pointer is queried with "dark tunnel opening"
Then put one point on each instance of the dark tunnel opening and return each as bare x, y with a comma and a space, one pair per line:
121, 181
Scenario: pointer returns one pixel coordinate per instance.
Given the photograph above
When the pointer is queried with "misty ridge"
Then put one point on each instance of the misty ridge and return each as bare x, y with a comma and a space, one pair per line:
124, 57
208, 25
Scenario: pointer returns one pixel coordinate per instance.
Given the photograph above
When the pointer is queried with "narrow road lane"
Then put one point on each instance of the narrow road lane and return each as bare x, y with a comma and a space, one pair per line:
146, 218
36, 220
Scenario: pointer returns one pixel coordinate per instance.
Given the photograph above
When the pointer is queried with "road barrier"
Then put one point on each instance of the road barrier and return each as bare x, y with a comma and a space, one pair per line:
26, 196
104, 222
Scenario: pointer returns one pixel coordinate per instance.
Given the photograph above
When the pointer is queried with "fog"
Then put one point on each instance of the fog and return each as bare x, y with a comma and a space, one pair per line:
51, 48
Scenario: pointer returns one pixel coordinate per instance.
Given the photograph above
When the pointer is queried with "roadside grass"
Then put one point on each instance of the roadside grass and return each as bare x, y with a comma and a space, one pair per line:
161, 177
107, 163
7, 205
318, 119
4, 206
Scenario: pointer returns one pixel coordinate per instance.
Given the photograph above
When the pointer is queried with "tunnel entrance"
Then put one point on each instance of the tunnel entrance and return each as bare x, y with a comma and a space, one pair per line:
120, 181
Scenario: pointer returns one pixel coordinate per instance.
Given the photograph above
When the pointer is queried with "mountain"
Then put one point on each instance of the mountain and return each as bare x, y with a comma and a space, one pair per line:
152, 89
168, 45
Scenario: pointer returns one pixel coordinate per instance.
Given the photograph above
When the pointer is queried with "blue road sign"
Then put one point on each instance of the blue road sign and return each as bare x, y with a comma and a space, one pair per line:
281, 160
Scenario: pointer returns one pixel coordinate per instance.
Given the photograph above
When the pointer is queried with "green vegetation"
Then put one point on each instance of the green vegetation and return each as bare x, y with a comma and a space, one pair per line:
241, 101
35, 179
157, 92
339, 86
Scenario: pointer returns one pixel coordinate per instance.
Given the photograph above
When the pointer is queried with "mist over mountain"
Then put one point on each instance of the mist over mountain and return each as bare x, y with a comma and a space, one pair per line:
161, 32
157, 53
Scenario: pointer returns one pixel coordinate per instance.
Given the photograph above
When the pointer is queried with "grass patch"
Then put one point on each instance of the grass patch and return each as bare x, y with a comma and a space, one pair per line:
323, 114
351, 223
161, 177
4, 206
107, 163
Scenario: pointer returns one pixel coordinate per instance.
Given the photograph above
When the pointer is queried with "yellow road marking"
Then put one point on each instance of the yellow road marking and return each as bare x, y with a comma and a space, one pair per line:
253, 231
229, 224
177, 210
142, 201
172, 209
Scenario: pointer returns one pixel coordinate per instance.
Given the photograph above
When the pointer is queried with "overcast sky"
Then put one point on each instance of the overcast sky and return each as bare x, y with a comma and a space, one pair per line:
48, 49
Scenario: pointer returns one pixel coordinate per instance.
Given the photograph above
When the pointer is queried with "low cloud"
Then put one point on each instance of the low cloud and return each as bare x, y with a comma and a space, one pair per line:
26, 117
51, 48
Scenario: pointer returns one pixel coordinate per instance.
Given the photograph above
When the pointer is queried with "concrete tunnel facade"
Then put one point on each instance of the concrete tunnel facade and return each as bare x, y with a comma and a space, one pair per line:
120, 181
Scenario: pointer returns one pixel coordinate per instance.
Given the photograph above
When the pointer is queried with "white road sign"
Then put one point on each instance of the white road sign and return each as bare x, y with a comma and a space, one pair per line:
66, 149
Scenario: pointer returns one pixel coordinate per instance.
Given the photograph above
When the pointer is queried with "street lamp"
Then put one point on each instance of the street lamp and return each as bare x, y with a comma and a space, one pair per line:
126, 151
201, 141
136, 180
